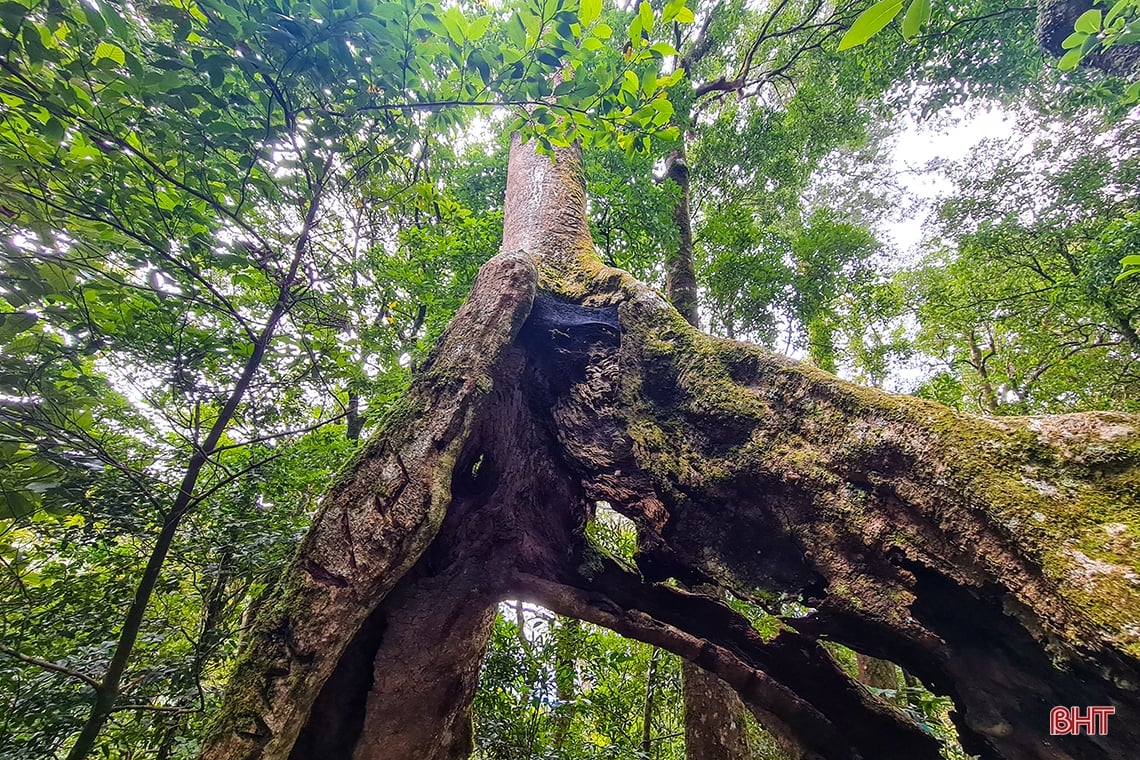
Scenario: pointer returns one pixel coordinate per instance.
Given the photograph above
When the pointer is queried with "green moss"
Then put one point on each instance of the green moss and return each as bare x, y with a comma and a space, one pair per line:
1042, 493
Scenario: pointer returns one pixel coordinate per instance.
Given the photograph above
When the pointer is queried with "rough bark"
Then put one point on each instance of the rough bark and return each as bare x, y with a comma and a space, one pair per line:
877, 673
373, 526
993, 558
716, 726
714, 717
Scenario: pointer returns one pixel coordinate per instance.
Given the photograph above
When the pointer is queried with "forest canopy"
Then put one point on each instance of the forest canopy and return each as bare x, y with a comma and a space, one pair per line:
233, 232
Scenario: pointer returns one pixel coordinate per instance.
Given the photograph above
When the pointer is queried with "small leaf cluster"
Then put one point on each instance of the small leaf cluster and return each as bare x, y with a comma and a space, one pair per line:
1097, 29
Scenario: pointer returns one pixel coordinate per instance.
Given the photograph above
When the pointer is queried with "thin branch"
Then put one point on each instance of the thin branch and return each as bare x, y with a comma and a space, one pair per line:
53, 667
283, 434
157, 708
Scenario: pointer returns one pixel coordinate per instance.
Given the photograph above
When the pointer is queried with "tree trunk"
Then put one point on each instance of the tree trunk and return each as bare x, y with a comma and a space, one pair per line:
994, 559
647, 707
567, 641
715, 727
877, 673
680, 270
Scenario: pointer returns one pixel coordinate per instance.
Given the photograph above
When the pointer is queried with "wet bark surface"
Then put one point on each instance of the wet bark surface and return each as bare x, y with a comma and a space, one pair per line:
955, 546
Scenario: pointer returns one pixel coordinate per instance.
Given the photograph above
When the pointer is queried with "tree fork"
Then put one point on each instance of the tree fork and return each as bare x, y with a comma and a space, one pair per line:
994, 559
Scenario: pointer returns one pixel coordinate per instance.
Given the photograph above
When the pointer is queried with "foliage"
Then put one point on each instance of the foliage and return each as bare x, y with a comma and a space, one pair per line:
1097, 30
1020, 302
871, 21
518, 712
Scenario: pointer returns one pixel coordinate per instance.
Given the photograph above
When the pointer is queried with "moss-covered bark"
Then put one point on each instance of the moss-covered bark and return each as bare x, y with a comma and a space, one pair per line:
372, 527
995, 559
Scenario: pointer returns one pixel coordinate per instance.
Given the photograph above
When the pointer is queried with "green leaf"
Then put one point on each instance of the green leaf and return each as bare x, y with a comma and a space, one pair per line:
455, 24
917, 14
516, 31
1076, 39
630, 82
479, 62
110, 50
478, 28
636, 32
870, 22
14, 504
685, 16
645, 12
94, 18
1089, 21
590, 10
53, 130
603, 31
1070, 60
1132, 94
1117, 10
12, 324
671, 9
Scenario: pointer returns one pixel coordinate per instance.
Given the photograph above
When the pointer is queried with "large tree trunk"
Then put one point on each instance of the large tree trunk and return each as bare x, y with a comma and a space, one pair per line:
996, 559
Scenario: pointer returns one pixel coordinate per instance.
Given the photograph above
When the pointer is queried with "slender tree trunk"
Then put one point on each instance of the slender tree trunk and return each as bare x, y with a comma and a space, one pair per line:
354, 420
715, 723
985, 556
107, 692
680, 270
647, 708
567, 639
978, 362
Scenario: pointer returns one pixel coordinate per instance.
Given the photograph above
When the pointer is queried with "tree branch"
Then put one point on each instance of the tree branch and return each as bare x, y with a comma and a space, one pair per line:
53, 667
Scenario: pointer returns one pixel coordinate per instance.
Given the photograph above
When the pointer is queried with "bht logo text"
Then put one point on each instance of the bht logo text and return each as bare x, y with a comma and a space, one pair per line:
1066, 721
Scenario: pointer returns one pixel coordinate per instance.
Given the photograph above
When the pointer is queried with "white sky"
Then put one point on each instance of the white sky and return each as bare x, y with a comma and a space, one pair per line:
949, 139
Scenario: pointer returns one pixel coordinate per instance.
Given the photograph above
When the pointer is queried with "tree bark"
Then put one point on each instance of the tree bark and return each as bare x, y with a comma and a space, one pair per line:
993, 558
877, 673
680, 270
715, 727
